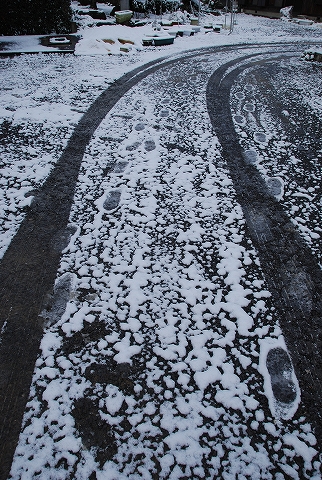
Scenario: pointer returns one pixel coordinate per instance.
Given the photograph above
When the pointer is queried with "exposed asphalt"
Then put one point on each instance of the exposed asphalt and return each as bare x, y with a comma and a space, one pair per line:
29, 266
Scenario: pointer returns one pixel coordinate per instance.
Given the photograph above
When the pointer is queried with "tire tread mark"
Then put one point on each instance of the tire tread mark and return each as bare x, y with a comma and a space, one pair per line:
291, 270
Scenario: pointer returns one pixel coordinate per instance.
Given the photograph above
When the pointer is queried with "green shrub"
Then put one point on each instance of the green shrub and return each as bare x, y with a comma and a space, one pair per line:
35, 17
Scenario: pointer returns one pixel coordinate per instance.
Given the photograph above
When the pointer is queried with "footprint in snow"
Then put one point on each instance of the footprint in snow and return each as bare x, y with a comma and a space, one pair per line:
95, 432
164, 113
275, 186
149, 145
57, 301
240, 96
260, 137
280, 368
250, 157
139, 126
239, 119
62, 238
133, 146
112, 200
120, 167
249, 107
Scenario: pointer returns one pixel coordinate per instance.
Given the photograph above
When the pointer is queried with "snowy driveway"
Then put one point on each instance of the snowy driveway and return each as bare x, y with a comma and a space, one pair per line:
162, 355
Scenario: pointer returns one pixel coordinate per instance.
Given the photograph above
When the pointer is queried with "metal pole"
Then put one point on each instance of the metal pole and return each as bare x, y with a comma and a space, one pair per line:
231, 16
226, 10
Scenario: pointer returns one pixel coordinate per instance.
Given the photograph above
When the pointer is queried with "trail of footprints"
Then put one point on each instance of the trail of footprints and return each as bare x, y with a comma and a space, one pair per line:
246, 115
107, 426
113, 197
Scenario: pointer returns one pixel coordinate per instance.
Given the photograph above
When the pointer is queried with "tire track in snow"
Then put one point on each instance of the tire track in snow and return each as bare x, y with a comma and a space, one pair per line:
28, 268
161, 287
292, 272
299, 158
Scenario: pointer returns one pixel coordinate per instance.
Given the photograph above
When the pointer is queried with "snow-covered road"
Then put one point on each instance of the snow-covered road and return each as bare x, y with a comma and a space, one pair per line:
163, 347
165, 351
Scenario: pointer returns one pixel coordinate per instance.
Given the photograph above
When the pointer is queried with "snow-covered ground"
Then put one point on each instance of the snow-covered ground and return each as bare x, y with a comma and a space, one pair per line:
156, 367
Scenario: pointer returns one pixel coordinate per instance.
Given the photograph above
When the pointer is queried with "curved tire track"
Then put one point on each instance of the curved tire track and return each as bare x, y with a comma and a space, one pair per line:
292, 272
28, 268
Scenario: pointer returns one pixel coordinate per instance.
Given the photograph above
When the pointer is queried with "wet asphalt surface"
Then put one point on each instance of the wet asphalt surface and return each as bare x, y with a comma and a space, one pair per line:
29, 266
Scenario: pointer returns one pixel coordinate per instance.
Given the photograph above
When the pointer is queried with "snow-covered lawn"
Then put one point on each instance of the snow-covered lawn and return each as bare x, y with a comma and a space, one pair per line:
156, 366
